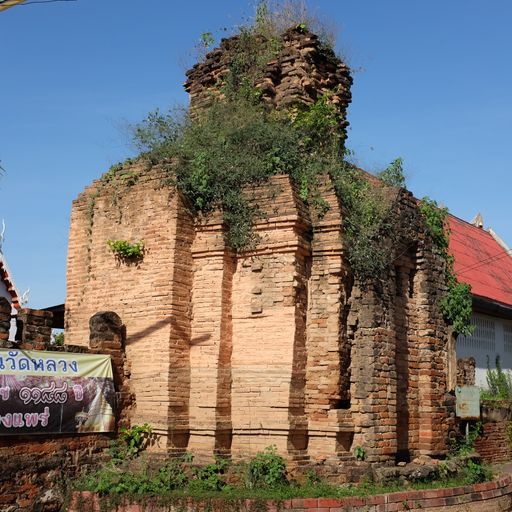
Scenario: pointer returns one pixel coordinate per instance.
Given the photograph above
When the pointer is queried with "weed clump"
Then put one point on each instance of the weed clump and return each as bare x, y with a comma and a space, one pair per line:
499, 382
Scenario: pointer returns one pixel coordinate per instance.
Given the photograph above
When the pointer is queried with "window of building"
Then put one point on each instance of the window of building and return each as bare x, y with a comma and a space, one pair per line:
483, 337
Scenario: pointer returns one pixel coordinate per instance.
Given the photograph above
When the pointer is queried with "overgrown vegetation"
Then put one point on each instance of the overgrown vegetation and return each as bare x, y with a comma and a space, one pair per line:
373, 227
463, 458
266, 469
129, 476
499, 382
468, 471
217, 157
262, 477
58, 339
464, 444
125, 250
457, 305
475, 473
273, 17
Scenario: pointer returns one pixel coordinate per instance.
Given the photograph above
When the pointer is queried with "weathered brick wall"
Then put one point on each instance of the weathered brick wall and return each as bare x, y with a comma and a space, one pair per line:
398, 336
231, 353
495, 442
152, 296
211, 341
268, 322
33, 328
466, 371
330, 427
34, 469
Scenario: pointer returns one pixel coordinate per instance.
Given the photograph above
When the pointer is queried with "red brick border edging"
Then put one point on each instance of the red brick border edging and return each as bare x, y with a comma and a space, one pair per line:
392, 502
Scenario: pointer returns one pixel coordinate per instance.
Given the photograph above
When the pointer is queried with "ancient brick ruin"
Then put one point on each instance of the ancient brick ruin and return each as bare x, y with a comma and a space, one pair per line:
230, 353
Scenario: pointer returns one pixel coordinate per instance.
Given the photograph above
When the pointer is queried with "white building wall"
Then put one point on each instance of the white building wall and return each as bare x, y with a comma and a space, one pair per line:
492, 336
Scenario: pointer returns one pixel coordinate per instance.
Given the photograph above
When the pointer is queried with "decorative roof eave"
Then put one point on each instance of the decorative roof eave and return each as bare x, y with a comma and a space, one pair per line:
5, 276
499, 240
5, 4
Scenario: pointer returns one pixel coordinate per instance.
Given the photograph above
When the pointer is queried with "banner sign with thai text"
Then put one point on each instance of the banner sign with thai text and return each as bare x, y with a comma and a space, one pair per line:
55, 392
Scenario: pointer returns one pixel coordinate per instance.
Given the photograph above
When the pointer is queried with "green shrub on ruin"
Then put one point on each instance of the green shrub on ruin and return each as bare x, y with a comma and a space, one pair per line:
266, 469
216, 158
457, 304
130, 442
273, 17
372, 224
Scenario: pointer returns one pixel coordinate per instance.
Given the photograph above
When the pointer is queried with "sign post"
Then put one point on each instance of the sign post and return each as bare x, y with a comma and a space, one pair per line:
467, 404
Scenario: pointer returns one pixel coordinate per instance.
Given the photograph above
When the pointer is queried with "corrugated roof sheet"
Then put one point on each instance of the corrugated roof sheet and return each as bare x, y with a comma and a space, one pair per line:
481, 261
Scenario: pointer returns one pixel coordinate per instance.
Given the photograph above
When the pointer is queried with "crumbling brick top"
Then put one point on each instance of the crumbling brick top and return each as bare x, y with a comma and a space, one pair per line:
303, 71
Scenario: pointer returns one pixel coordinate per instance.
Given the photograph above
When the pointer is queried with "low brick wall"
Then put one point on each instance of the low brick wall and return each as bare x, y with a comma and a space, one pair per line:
33, 469
494, 445
484, 497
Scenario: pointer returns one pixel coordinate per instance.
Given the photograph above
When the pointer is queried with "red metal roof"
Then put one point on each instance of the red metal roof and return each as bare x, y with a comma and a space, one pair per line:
481, 261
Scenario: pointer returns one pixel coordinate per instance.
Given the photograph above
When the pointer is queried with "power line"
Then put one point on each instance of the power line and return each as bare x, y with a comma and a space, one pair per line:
481, 263
44, 2
496, 256
477, 264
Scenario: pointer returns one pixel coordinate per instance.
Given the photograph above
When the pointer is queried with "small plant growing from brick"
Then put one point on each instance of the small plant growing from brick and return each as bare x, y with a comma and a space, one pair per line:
131, 442
126, 251
359, 453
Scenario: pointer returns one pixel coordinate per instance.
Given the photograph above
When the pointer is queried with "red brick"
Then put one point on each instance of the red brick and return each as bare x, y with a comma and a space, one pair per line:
329, 502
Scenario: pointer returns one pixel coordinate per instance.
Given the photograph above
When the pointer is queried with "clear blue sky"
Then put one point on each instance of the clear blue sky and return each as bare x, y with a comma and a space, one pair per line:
433, 84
